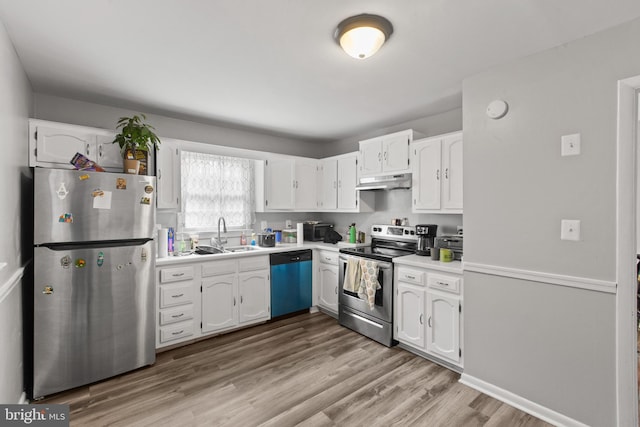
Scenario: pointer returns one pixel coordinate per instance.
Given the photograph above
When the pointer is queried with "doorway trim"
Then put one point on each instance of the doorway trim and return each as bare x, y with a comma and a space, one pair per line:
626, 321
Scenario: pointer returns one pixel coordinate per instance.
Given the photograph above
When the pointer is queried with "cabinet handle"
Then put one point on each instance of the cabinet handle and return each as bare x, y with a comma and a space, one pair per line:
429, 321
177, 296
159, 174
334, 184
421, 318
88, 152
339, 183
240, 299
100, 150
175, 316
385, 155
327, 258
442, 283
177, 332
438, 174
411, 277
336, 289
177, 274
234, 301
294, 183
446, 173
379, 156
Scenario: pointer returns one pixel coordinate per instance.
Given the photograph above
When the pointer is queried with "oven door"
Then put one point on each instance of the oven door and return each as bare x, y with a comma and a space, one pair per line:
383, 308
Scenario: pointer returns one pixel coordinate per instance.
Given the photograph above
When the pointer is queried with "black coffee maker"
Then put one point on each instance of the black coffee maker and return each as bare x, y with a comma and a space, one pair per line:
426, 236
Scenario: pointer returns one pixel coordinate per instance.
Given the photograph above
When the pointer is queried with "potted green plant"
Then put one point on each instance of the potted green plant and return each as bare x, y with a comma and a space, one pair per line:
135, 135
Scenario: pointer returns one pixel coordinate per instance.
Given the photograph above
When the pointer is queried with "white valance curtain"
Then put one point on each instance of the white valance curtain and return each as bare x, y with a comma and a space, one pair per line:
215, 186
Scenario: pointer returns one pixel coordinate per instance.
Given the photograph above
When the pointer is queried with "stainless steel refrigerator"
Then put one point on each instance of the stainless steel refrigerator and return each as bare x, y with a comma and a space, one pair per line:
93, 278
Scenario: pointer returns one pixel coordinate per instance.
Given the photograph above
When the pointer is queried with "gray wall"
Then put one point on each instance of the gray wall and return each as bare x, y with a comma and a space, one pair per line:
66, 110
15, 106
449, 121
549, 344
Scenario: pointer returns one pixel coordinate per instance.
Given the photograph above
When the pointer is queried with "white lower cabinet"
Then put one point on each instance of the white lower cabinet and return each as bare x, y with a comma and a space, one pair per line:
428, 310
328, 280
201, 298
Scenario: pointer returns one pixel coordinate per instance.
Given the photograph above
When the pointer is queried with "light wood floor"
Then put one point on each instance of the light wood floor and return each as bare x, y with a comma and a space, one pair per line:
304, 370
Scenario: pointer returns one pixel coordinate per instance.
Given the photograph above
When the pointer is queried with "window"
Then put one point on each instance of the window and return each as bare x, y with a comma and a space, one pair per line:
215, 186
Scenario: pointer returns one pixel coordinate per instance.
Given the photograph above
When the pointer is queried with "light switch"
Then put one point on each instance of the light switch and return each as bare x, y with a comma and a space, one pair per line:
570, 229
570, 144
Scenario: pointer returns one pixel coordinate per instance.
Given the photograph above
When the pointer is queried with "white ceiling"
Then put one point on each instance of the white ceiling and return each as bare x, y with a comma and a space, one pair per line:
273, 64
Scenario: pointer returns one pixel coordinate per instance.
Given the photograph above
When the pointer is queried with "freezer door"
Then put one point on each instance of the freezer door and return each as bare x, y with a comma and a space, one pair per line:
93, 314
78, 206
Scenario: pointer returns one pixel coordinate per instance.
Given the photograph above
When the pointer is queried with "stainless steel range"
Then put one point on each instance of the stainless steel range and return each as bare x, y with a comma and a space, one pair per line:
387, 242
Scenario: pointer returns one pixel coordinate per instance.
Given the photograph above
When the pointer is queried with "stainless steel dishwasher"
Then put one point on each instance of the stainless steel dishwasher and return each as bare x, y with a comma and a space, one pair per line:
291, 281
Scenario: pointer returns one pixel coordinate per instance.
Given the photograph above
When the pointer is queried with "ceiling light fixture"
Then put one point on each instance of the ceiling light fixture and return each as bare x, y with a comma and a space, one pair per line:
362, 35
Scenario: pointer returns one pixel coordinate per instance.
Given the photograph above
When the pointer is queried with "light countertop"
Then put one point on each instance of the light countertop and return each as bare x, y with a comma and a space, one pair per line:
426, 262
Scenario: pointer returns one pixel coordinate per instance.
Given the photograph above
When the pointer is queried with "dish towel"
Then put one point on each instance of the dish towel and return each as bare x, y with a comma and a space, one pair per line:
368, 282
352, 276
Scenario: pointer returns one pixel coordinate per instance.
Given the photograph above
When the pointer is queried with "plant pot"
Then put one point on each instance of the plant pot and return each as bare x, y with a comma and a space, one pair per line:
131, 166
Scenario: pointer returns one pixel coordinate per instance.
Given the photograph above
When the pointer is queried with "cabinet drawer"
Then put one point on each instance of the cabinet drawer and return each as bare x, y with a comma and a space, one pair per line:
176, 314
174, 332
445, 283
219, 267
176, 274
253, 263
410, 276
328, 257
180, 293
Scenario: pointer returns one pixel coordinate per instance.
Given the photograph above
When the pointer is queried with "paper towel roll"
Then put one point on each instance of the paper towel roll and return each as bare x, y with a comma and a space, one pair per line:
163, 237
300, 233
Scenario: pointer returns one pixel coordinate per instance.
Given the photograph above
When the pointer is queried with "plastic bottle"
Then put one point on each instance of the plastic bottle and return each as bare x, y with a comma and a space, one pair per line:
352, 233
243, 239
253, 239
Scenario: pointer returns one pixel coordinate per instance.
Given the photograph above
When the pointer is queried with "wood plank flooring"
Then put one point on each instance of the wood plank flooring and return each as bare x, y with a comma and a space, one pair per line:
304, 370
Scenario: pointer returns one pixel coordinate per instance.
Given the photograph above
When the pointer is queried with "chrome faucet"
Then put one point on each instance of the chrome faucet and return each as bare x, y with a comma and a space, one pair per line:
224, 229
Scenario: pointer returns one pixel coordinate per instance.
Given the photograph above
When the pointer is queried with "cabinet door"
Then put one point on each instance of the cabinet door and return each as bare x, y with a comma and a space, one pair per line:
347, 182
426, 174
370, 157
328, 279
443, 326
395, 152
109, 154
58, 146
305, 184
452, 172
328, 184
410, 316
279, 184
255, 296
168, 175
219, 303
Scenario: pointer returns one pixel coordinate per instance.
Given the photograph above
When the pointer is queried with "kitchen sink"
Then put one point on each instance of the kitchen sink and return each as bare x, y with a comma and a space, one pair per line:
241, 248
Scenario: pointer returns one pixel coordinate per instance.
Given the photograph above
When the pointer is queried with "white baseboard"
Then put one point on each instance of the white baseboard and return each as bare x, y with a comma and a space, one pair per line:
520, 402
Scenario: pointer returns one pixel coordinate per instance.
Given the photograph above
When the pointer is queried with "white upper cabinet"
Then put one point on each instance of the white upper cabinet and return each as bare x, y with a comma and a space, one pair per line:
290, 184
348, 196
168, 175
386, 154
437, 174
53, 145
328, 184
305, 184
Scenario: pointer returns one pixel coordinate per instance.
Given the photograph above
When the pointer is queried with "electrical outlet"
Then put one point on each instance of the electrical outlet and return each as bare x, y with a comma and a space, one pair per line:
570, 229
570, 145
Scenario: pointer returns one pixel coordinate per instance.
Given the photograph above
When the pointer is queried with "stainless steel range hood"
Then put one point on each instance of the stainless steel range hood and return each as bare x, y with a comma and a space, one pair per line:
386, 182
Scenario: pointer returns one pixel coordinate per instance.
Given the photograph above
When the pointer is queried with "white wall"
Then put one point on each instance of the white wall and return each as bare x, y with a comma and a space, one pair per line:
66, 110
552, 345
15, 104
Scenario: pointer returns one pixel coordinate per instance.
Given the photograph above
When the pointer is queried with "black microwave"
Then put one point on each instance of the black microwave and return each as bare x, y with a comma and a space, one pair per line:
315, 232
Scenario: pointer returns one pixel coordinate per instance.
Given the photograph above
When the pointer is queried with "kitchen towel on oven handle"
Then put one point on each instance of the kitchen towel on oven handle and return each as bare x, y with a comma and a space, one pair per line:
352, 276
368, 282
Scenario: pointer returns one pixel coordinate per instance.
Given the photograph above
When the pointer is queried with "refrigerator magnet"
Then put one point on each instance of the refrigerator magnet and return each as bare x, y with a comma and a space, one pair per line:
62, 191
100, 259
84, 177
66, 218
103, 201
80, 263
97, 193
48, 290
121, 183
143, 255
148, 189
145, 201
65, 261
